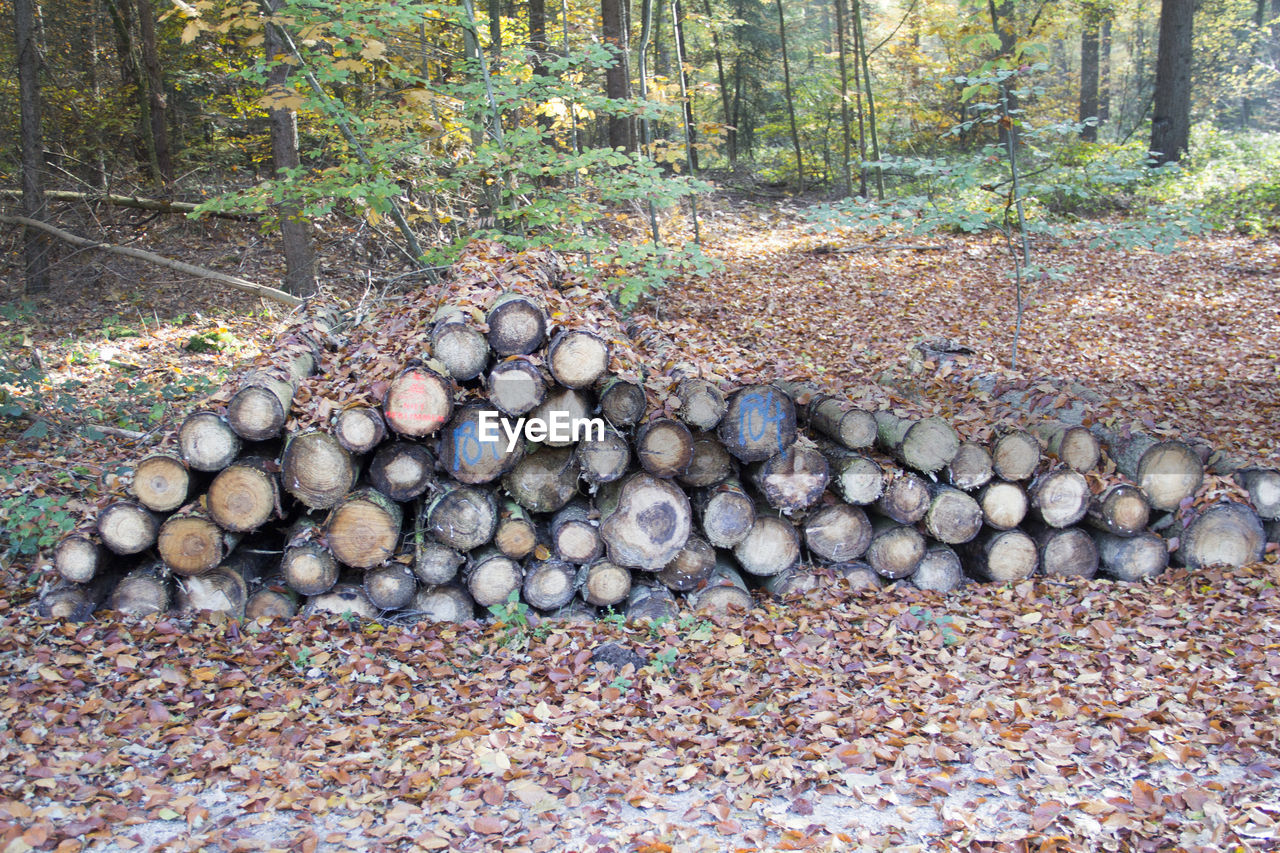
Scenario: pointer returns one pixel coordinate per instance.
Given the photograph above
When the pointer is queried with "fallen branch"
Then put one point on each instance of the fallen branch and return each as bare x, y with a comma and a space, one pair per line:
229, 280
136, 202
877, 247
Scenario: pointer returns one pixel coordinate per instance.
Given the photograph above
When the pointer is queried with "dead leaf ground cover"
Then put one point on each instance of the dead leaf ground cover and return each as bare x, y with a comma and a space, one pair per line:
1051, 716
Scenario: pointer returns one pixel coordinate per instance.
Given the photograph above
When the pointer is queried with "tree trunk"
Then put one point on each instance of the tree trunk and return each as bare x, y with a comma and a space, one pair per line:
1121, 510
711, 463
1015, 455
1171, 116
295, 231
1225, 534
1131, 558
359, 429
545, 480
760, 421
1089, 63
418, 402
1002, 555
971, 467
845, 129
794, 479
791, 104
953, 517
157, 101
604, 584
1075, 446
606, 458
516, 387
926, 445
402, 470
390, 587
645, 521
726, 513
1104, 70
1004, 505
316, 470
838, 532
575, 536
861, 45
161, 482
78, 558
1059, 498
850, 427
459, 346
896, 549
940, 570
1166, 471
207, 442
690, 567
245, 494
612, 29
549, 584
622, 403
702, 404
724, 591
905, 499
191, 542
463, 517
127, 528
363, 528
1065, 552
664, 448
725, 97
577, 359
35, 243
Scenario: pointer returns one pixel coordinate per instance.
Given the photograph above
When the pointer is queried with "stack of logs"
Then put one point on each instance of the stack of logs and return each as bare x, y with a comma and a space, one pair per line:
343, 474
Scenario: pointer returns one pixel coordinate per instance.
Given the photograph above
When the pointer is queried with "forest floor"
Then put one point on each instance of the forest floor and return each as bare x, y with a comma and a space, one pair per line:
1081, 715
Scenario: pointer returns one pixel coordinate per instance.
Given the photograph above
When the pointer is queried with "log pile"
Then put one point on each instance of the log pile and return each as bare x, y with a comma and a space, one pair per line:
420, 458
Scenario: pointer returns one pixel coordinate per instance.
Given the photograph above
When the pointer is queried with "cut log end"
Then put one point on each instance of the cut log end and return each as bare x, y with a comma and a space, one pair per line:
309, 568
622, 403
444, 603
244, 495
971, 467
516, 386
577, 359
390, 587
690, 567
645, 521
760, 421
517, 326
839, 532
316, 470
702, 404
770, 546
418, 402
665, 448
207, 442
161, 482
940, 570
549, 584
604, 583
78, 559
359, 429
1225, 534
363, 528
1015, 455
190, 543
127, 528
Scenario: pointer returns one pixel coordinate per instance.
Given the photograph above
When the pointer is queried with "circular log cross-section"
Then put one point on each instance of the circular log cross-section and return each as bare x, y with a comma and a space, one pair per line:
664, 448
517, 326
1121, 509
418, 402
604, 583
345, 599
1131, 558
207, 442
260, 408
491, 578
575, 538
926, 445
690, 567
1004, 505
770, 546
622, 403
562, 416
953, 516
838, 532
645, 521
516, 535
477, 446
971, 467
244, 495
549, 584
1166, 471
724, 591
905, 499
363, 528
359, 429
702, 404
895, 550
1015, 455
444, 603
127, 528
516, 386
146, 590
1060, 498
390, 587
544, 481
711, 463
307, 566
856, 478
603, 458
190, 542
161, 482
1068, 552
1003, 555
402, 470
577, 359
219, 590
1225, 534
463, 518
794, 479
760, 421
461, 348
78, 558
850, 427
727, 513
940, 570
1075, 446
316, 470
435, 563
1263, 486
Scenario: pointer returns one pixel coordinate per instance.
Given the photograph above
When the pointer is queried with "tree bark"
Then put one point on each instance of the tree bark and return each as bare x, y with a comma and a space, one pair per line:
157, 100
613, 30
1171, 115
295, 231
791, 107
1089, 67
35, 243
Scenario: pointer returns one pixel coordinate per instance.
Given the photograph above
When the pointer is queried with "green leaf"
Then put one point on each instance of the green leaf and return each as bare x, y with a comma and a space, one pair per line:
37, 430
